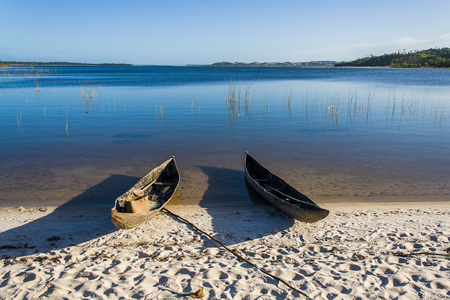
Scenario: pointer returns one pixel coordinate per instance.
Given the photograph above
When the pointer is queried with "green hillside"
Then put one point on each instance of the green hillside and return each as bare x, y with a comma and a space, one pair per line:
431, 58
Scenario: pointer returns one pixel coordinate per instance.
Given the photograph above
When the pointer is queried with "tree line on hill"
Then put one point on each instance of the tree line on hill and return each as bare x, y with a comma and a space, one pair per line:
431, 58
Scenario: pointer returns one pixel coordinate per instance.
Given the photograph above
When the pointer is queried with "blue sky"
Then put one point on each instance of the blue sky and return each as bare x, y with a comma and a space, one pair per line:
173, 32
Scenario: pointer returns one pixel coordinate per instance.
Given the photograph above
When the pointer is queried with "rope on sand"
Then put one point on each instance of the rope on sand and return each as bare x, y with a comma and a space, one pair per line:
235, 253
401, 254
42, 291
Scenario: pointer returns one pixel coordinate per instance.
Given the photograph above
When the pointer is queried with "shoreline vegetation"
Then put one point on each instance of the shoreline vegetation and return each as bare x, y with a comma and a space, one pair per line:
431, 58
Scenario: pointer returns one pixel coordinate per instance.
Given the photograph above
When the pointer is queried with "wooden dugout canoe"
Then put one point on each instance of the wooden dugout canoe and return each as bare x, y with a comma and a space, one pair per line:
279, 193
154, 190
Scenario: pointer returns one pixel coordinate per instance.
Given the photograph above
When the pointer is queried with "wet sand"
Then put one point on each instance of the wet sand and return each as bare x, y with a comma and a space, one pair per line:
218, 179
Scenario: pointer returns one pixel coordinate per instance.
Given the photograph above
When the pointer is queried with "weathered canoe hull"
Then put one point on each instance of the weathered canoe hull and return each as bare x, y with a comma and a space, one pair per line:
128, 220
166, 172
310, 212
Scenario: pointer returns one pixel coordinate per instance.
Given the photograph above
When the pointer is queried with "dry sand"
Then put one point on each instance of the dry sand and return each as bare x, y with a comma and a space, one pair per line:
384, 251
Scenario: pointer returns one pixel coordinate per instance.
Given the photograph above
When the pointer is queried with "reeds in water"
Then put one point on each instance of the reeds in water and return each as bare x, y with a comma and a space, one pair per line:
88, 95
440, 115
159, 109
67, 120
238, 103
265, 108
287, 103
195, 108
19, 123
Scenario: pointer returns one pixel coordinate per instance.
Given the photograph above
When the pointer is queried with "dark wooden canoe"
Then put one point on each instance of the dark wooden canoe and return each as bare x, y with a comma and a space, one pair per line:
157, 187
279, 193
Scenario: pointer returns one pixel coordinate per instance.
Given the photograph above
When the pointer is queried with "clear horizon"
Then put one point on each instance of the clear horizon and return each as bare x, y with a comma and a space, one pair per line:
205, 32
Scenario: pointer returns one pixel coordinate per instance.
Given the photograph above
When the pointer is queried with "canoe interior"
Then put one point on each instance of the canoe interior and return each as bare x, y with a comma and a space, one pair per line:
158, 188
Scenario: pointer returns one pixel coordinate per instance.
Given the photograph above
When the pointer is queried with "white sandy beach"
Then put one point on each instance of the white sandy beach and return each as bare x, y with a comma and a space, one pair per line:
360, 251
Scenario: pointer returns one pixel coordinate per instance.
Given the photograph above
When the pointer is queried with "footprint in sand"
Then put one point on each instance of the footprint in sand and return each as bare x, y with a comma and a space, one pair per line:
29, 277
215, 274
400, 280
442, 285
411, 246
23, 278
307, 271
288, 275
342, 289
371, 281
345, 267
184, 271
385, 270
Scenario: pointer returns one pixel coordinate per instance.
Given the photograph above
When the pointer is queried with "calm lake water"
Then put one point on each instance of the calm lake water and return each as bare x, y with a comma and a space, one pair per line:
84, 135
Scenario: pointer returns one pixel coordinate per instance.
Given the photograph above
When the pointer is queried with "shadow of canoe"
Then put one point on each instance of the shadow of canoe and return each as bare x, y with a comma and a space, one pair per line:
85, 217
242, 221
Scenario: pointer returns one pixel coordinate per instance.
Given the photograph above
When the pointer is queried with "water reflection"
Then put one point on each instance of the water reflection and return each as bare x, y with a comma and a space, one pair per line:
245, 106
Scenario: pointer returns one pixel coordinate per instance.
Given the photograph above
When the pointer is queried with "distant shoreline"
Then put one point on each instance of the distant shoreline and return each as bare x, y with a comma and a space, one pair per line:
6, 64
299, 65
435, 58
313, 64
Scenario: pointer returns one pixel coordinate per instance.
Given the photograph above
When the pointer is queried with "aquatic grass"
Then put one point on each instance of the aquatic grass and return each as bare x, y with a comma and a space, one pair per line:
369, 104
232, 104
390, 110
400, 109
248, 109
333, 108
67, 120
116, 98
439, 115
89, 96
354, 106
330, 110
238, 103
305, 98
19, 123
233, 101
160, 112
287, 102
195, 108
88, 93
265, 107
67, 128
37, 89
